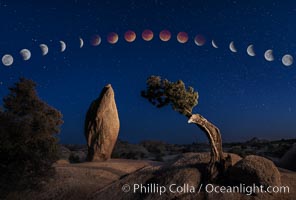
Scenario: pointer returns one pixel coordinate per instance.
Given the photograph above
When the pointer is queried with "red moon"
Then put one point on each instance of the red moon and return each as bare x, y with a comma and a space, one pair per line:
147, 35
130, 36
182, 37
95, 40
199, 40
165, 35
112, 38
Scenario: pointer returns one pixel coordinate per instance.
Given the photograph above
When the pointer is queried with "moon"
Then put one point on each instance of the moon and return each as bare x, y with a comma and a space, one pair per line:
287, 60
95, 40
147, 35
7, 60
44, 49
268, 55
165, 35
130, 36
250, 50
63, 46
199, 40
232, 47
182, 37
26, 54
81, 42
112, 38
214, 44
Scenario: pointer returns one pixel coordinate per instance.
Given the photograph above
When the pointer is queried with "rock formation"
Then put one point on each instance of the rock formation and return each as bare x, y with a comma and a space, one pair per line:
189, 170
288, 160
102, 126
255, 170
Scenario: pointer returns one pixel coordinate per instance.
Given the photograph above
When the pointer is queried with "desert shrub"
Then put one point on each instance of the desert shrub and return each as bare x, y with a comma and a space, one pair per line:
74, 158
158, 157
28, 146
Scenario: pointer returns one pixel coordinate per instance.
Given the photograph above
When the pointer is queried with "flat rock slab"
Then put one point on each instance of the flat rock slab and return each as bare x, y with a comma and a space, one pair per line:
78, 181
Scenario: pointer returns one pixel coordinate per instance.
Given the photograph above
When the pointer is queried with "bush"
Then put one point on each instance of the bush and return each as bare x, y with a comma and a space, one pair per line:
28, 146
74, 158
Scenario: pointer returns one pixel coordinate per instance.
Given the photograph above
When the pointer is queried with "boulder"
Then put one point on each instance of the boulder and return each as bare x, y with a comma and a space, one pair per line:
102, 126
255, 170
288, 160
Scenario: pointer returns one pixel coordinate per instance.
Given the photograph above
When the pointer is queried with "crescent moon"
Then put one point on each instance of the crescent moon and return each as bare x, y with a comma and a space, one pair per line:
287, 60
63, 46
268, 55
44, 49
81, 42
26, 54
214, 44
7, 60
232, 47
250, 50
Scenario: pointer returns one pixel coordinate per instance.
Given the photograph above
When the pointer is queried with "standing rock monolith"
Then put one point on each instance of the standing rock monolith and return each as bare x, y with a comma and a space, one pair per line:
102, 126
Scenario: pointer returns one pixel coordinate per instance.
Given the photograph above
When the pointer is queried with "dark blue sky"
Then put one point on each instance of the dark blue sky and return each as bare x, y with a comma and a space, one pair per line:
244, 96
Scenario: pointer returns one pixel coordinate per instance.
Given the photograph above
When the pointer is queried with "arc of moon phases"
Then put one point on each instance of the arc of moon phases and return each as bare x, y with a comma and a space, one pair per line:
130, 36
63, 46
44, 49
95, 40
182, 37
232, 47
214, 44
250, 50
81, 42
147, 35
26, 54
7, 60
112, 38
165, 35
199, 40
268, 55
287, 60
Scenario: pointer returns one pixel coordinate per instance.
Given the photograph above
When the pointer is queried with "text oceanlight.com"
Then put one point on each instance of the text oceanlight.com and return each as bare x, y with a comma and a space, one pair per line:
209, 188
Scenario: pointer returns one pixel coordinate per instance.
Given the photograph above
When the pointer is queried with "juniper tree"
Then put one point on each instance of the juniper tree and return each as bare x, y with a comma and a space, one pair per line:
161, 92
28, 146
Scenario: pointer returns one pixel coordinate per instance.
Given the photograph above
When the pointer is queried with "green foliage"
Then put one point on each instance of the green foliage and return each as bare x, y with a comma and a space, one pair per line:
161, 92
28, 146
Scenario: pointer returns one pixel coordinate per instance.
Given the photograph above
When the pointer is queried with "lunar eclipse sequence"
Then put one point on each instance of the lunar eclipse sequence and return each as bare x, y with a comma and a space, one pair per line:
148, 35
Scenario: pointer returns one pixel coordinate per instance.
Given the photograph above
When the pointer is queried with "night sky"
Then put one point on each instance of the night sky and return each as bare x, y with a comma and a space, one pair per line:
244, 96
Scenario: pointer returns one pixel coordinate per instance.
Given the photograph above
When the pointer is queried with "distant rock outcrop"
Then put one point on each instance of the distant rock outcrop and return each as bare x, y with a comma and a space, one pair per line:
255, 170
102, 126
288, 160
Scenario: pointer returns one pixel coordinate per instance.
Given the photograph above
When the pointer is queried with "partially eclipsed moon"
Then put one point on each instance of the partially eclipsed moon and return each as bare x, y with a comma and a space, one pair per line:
165, 35
7, 60
26, 54
44, 49
147, 35
232, 47
95, 40
214, 44
268, 55
81, 42
287, 60
251, 51
199, 40
182, 37
130, 36
63, 46
112, 38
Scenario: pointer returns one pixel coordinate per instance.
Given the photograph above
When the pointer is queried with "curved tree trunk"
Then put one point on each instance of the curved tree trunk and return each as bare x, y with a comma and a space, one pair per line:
218, 163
